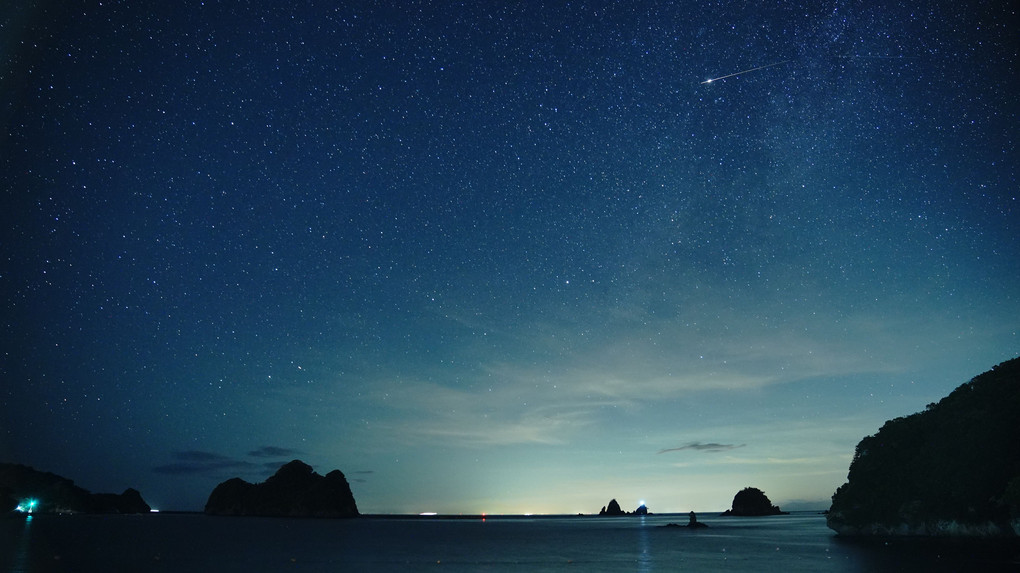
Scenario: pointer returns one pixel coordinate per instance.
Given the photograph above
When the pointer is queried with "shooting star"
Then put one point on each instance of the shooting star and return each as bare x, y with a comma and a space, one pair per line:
743, 72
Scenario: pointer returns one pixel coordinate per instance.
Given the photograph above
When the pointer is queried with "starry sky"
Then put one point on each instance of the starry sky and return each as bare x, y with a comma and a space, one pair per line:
501, 257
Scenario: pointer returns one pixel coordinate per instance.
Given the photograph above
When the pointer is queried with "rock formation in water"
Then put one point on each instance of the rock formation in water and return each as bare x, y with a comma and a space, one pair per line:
953, 469
692, 522
613, 509
293, 491
752, 502
56, 494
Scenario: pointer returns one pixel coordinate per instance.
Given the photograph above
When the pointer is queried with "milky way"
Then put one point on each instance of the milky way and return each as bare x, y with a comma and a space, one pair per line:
503, 259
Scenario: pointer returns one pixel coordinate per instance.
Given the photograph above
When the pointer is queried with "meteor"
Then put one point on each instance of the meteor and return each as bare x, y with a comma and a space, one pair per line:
743, 72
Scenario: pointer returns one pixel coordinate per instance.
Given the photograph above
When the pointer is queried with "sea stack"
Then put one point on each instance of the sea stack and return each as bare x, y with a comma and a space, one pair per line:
613, 509
752, 502
293, 491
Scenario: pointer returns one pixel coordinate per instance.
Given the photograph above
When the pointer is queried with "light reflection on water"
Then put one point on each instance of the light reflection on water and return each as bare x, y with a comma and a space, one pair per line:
167, 542
645, 562
21, 554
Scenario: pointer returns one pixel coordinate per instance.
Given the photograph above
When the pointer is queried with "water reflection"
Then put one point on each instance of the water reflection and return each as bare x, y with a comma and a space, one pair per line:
645, 560
21, 560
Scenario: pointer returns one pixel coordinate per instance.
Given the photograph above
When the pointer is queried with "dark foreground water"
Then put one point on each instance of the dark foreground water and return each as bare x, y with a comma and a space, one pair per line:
200, 543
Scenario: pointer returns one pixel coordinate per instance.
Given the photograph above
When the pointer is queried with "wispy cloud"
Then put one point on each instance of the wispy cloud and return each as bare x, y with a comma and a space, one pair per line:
198, 456
707, 447
822, 464
359, 473
578, 384
273, 452
199, 462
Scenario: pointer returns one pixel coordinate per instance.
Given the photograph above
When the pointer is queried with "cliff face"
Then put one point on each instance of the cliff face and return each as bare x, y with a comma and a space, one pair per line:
54, 494
293, 491
953, 469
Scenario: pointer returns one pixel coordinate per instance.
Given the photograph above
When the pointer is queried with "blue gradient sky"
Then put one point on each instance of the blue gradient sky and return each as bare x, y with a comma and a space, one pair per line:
498, 258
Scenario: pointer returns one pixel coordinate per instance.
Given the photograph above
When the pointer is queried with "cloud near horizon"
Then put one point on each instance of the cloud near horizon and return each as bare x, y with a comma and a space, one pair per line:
359, 473
698, 446
273, 452
199, 462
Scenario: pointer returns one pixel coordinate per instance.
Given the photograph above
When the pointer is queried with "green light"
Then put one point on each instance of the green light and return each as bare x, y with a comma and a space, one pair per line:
27, 506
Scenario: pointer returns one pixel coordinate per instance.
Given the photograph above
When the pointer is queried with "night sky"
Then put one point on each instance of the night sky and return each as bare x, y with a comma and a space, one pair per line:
498, 257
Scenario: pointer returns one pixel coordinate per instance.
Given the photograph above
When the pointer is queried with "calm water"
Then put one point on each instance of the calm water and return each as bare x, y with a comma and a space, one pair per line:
199, 543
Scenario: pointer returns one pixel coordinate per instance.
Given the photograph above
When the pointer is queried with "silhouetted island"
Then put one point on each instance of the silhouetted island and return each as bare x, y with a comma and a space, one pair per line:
752, 502
953, 469
293, 491
614, 509
23, 486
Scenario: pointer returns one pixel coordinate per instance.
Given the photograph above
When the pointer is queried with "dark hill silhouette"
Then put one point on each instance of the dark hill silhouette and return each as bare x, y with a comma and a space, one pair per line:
56, 494
752, 502
953, 469
293, 491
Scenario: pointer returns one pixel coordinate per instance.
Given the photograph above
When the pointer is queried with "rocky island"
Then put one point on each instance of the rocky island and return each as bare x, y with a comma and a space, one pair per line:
26, 489
614, 509
692, 522
752, 502
951, 470
293, 491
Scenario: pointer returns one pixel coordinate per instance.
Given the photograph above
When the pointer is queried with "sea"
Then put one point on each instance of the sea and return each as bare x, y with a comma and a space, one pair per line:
196, 542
